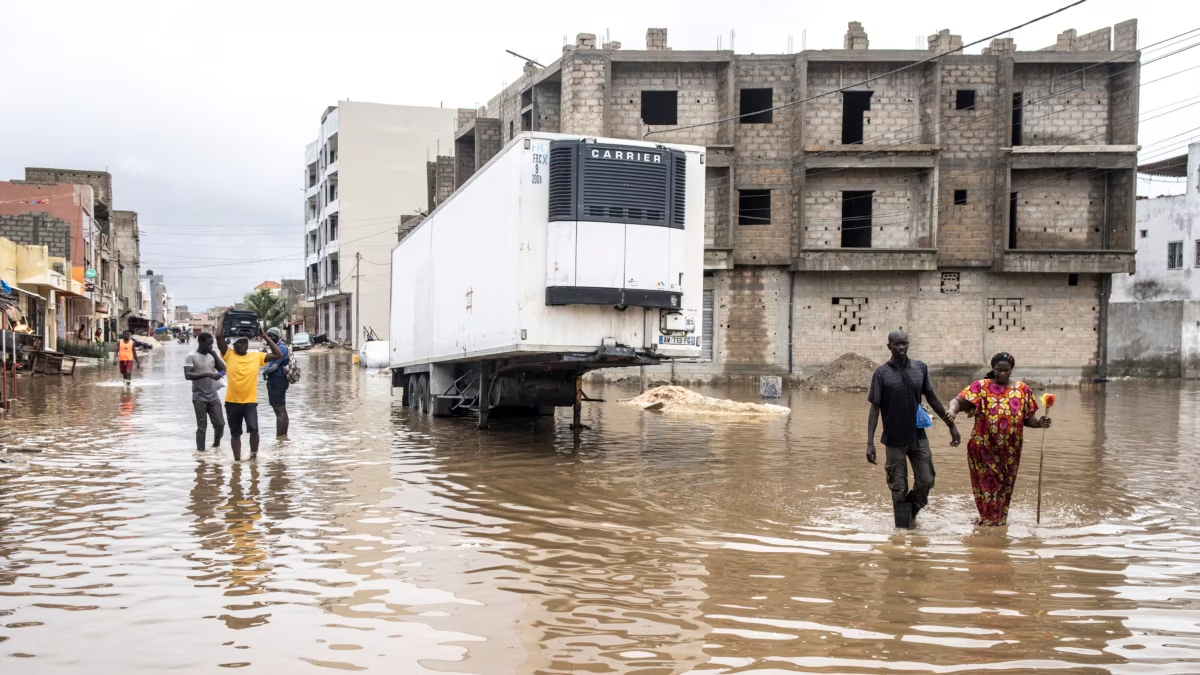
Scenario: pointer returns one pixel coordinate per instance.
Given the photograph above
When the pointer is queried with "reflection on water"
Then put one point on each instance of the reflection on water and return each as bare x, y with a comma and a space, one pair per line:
378, 540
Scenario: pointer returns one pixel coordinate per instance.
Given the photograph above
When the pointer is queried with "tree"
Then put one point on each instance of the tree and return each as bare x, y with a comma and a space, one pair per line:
271, 309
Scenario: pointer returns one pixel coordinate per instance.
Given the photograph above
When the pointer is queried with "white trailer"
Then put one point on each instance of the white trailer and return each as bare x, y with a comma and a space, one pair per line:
563, 254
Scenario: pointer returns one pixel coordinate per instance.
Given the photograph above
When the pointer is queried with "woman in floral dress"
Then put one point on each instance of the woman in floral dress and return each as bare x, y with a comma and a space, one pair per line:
1002, 409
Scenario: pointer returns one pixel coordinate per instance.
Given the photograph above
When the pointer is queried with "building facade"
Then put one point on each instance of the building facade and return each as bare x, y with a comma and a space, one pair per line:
158, 305
365, 171
979, 202
1155, 324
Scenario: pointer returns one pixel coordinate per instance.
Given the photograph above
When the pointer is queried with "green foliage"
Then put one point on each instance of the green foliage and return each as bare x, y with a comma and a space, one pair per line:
94, 350
271, 309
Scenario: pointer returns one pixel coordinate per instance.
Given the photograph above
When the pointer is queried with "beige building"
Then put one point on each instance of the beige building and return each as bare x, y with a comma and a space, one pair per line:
978, 201
363, 174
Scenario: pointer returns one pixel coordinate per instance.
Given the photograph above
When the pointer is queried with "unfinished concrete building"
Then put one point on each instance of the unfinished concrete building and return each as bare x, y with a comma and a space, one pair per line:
979, 202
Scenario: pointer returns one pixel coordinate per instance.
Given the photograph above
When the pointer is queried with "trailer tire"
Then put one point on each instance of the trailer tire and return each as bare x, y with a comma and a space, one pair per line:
422, 392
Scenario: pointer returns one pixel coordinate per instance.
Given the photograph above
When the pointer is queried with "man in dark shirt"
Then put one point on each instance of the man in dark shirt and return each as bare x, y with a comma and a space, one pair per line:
896, 390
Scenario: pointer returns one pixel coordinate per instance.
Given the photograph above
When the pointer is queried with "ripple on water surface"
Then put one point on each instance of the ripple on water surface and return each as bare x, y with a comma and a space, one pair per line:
379, 540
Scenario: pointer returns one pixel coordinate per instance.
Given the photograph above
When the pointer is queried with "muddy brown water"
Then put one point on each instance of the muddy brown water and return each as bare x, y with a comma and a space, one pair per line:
379, 540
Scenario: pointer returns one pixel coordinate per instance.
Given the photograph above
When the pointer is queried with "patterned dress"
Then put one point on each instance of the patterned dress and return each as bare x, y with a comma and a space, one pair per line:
994, 451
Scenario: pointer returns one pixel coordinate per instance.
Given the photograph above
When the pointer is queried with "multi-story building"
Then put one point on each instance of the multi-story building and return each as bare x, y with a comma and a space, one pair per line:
980, 202
105, 241
1155, 315
182, 315
364, 172
159, 305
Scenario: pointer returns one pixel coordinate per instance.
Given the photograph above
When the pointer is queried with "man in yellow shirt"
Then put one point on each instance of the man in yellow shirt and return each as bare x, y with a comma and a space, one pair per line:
241, 390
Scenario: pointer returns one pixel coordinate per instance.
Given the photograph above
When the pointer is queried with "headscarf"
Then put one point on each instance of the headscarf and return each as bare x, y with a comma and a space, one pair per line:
1002, 356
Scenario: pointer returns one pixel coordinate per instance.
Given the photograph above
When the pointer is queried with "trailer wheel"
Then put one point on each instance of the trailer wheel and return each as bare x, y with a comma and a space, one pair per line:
422, 392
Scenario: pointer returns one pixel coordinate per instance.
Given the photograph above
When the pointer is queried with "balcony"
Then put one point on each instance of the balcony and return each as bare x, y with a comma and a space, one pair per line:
866, 260
330, 209
873, 156
331, 170
312, 191
311, 225
1074, 156
1068, 261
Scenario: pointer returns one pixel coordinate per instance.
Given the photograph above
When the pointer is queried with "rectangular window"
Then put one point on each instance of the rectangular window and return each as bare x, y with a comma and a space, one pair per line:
1143, 233
333, 227
510, 130
755, 106
964, 99
754, 207
960, 197
1198, 253
1175, 255
854, 105
527, 121
1018, 117
856, 218
1012, 220
660, 107
1072, 279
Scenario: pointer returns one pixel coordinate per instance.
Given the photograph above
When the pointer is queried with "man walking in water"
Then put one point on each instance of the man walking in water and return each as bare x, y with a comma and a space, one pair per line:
277, 383
204, 369
896, 390
241, 392
127, 357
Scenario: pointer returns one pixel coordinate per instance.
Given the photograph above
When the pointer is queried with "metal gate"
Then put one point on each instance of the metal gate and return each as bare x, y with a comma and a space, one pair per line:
706, 336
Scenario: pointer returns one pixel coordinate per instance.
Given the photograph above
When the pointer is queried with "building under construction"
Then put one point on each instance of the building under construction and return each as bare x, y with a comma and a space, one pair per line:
978, 201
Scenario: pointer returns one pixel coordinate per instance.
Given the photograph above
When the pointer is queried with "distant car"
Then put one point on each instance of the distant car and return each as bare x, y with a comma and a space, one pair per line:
302, 341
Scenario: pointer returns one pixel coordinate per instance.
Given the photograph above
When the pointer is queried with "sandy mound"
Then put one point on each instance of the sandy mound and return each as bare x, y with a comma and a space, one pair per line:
848, 371
678, 399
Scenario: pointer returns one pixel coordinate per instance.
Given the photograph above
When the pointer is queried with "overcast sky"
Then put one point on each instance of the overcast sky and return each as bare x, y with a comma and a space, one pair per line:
201, 111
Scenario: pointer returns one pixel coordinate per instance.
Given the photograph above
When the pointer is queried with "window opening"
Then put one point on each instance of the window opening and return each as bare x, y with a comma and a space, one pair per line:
854, 105
1072, 279
964, 99
1012, 220
960, 197
1018, 117
756, 101
1175, 255
754, 207
856, 218
660, 107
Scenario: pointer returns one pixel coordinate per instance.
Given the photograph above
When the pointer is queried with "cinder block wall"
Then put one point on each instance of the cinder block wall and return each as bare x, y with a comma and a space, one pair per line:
900, 207
895, 109
695, 83
1065, 104
1057, 209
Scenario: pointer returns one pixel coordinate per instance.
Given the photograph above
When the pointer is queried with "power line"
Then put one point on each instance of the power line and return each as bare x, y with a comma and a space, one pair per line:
871, 79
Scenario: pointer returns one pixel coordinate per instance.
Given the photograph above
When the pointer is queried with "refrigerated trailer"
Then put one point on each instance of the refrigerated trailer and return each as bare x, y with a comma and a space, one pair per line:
563, 254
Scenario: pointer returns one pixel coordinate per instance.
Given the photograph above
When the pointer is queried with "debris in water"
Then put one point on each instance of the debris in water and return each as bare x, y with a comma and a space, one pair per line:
677, 399
849, 371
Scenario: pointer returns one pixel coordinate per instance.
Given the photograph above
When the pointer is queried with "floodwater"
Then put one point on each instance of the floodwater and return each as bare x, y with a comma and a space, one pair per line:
379, 540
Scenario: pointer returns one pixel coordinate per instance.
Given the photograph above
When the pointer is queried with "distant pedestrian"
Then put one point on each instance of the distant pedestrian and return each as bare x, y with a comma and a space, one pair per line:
127, 357
277, 383
241, 392
896, 390
204, 369
1002, 409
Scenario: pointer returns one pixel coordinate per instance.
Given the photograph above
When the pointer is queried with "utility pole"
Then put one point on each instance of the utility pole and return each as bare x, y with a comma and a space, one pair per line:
357, 295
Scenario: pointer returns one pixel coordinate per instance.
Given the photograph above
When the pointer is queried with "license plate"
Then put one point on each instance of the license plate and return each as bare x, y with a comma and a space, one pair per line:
677, 340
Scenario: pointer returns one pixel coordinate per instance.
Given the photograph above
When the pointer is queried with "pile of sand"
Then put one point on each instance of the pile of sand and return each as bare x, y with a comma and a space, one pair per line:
849, 371
678, 399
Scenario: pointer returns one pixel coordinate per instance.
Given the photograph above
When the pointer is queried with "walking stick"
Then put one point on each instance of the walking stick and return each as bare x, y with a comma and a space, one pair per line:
1047, 403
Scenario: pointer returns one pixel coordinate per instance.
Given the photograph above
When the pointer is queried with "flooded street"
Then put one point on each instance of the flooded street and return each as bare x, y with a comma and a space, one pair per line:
379, 540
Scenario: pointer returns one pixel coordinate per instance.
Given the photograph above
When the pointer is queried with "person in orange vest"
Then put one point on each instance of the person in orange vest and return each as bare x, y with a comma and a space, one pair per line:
127, 357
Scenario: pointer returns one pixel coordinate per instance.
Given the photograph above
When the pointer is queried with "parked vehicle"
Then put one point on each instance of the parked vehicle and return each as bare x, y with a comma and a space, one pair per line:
240, 323
564, 254
302, 341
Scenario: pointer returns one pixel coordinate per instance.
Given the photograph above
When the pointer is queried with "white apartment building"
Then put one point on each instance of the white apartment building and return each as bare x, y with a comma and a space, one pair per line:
366, 169
1168, 237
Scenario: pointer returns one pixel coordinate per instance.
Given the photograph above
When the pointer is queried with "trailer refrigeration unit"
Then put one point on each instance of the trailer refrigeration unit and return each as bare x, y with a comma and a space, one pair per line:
564, 254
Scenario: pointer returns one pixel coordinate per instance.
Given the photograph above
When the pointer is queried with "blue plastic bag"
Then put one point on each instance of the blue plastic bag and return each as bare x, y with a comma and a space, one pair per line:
924, 421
